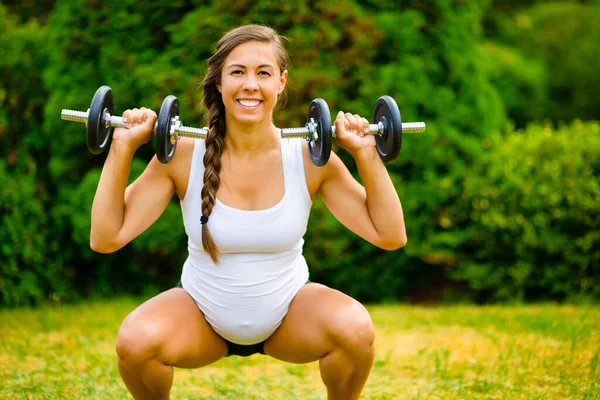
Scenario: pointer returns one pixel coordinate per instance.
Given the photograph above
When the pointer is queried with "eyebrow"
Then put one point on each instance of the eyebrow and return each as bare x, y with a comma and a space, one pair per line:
243, 66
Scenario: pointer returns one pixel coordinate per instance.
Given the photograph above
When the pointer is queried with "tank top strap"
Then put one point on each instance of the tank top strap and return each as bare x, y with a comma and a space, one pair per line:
196, 169
293, 164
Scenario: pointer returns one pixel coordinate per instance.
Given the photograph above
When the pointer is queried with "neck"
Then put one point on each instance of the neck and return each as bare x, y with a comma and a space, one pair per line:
251, 138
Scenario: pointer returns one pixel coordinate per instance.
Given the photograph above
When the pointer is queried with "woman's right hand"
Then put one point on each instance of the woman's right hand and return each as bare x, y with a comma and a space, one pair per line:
140, 128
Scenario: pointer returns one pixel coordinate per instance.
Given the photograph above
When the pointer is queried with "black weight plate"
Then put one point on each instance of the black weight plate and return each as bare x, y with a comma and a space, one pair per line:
388, 144
98, 135
164, 148
319, 111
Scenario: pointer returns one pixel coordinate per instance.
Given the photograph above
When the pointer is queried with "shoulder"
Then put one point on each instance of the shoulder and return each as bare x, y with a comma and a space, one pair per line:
183, 152
178, 168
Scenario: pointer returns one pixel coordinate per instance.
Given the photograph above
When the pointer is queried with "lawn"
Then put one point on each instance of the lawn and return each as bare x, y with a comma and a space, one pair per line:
446, 352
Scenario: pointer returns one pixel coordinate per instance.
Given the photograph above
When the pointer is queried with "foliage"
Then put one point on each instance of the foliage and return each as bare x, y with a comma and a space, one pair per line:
21, 95
28, 270
27, 273
562, 35
522, 82
535, 216
431, 56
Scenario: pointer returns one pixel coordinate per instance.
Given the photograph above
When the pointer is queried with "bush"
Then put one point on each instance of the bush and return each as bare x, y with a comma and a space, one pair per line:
521, 82
350, 52
28, 273
535, 215
564, 36
22, 95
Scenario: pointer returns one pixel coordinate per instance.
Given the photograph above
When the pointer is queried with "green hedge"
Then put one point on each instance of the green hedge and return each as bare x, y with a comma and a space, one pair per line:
522, 82
27, 274
431, 56
533, 203
564, 36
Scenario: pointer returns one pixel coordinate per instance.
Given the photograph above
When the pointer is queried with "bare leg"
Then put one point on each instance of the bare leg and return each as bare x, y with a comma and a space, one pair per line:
167, 330
326, 325
345, 369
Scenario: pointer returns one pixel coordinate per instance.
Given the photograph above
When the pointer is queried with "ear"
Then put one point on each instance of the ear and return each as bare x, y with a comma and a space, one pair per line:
219, 88
282, 81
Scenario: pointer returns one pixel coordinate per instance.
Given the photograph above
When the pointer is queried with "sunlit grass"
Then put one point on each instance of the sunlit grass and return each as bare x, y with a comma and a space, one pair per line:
453, 352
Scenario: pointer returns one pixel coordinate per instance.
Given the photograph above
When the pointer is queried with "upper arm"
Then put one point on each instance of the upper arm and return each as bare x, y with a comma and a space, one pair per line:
145, 200
343, 195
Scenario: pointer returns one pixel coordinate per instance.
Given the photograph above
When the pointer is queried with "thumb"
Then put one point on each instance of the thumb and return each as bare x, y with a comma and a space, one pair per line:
339, 121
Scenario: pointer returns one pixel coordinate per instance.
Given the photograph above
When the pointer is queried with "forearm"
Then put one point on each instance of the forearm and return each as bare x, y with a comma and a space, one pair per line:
108, 208
383, 202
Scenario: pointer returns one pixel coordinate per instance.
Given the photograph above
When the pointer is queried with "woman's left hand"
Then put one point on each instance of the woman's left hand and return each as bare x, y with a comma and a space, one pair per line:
351, 133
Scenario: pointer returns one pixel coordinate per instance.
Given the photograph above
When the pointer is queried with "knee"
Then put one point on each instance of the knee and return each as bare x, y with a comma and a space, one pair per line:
137, 340
353, 329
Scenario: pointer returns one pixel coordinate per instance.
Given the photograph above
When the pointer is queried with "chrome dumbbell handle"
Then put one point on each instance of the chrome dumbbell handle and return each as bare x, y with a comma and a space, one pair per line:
407, 128
177, 129
309, 131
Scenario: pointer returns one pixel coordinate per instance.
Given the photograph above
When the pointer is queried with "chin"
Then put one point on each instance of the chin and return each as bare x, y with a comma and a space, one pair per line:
250, 119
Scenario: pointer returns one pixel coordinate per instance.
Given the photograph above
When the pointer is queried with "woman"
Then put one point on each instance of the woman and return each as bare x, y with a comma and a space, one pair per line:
245, 197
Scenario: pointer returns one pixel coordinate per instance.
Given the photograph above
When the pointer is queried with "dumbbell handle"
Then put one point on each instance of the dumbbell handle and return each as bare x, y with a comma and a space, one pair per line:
407, 127
308, 131
117, 122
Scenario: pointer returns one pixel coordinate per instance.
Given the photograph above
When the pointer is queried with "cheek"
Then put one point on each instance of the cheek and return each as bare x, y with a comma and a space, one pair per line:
227, 91
274, 89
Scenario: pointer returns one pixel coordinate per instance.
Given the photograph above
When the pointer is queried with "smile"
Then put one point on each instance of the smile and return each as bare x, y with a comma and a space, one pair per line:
249, 104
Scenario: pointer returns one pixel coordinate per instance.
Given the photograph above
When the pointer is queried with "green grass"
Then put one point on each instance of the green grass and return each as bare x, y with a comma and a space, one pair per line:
450, 352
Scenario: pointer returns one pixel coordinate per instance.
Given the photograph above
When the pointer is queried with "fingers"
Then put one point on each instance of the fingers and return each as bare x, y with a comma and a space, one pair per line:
360, 125
138, 116
366, 125
354, 123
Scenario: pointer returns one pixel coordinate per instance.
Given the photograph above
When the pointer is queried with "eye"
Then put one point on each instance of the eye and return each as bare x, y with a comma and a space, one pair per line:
237, 72
265, 73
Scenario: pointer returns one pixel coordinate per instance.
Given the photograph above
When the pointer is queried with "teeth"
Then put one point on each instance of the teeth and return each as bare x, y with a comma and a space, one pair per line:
249, 103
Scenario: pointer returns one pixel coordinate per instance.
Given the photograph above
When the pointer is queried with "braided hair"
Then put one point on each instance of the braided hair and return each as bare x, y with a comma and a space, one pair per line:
215, 115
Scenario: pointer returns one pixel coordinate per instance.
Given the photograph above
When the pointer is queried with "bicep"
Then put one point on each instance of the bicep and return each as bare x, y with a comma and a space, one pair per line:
346, 198
145, 200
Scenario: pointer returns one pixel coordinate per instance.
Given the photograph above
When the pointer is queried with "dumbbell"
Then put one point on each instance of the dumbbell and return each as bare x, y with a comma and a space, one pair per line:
100, 121
387, 127
318, 130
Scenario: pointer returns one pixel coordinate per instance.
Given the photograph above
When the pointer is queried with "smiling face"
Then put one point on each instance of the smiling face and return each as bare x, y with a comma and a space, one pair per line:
251, 82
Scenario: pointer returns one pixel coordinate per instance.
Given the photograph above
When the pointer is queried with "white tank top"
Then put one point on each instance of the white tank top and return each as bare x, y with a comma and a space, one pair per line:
261, 267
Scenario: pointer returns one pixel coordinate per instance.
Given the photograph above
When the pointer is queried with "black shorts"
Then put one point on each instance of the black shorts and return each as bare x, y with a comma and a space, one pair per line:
234, 349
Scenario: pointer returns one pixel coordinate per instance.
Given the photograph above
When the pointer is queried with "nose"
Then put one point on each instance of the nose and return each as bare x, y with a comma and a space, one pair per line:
250, 84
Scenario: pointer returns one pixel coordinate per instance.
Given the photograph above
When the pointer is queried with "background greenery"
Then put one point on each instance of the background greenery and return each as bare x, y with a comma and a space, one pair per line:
501, 195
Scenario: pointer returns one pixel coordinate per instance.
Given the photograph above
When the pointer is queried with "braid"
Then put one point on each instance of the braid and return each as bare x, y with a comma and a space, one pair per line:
212, 164
215, 115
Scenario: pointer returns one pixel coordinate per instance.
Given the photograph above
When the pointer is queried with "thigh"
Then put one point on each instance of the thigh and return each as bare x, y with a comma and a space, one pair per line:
317, 320
172, 327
